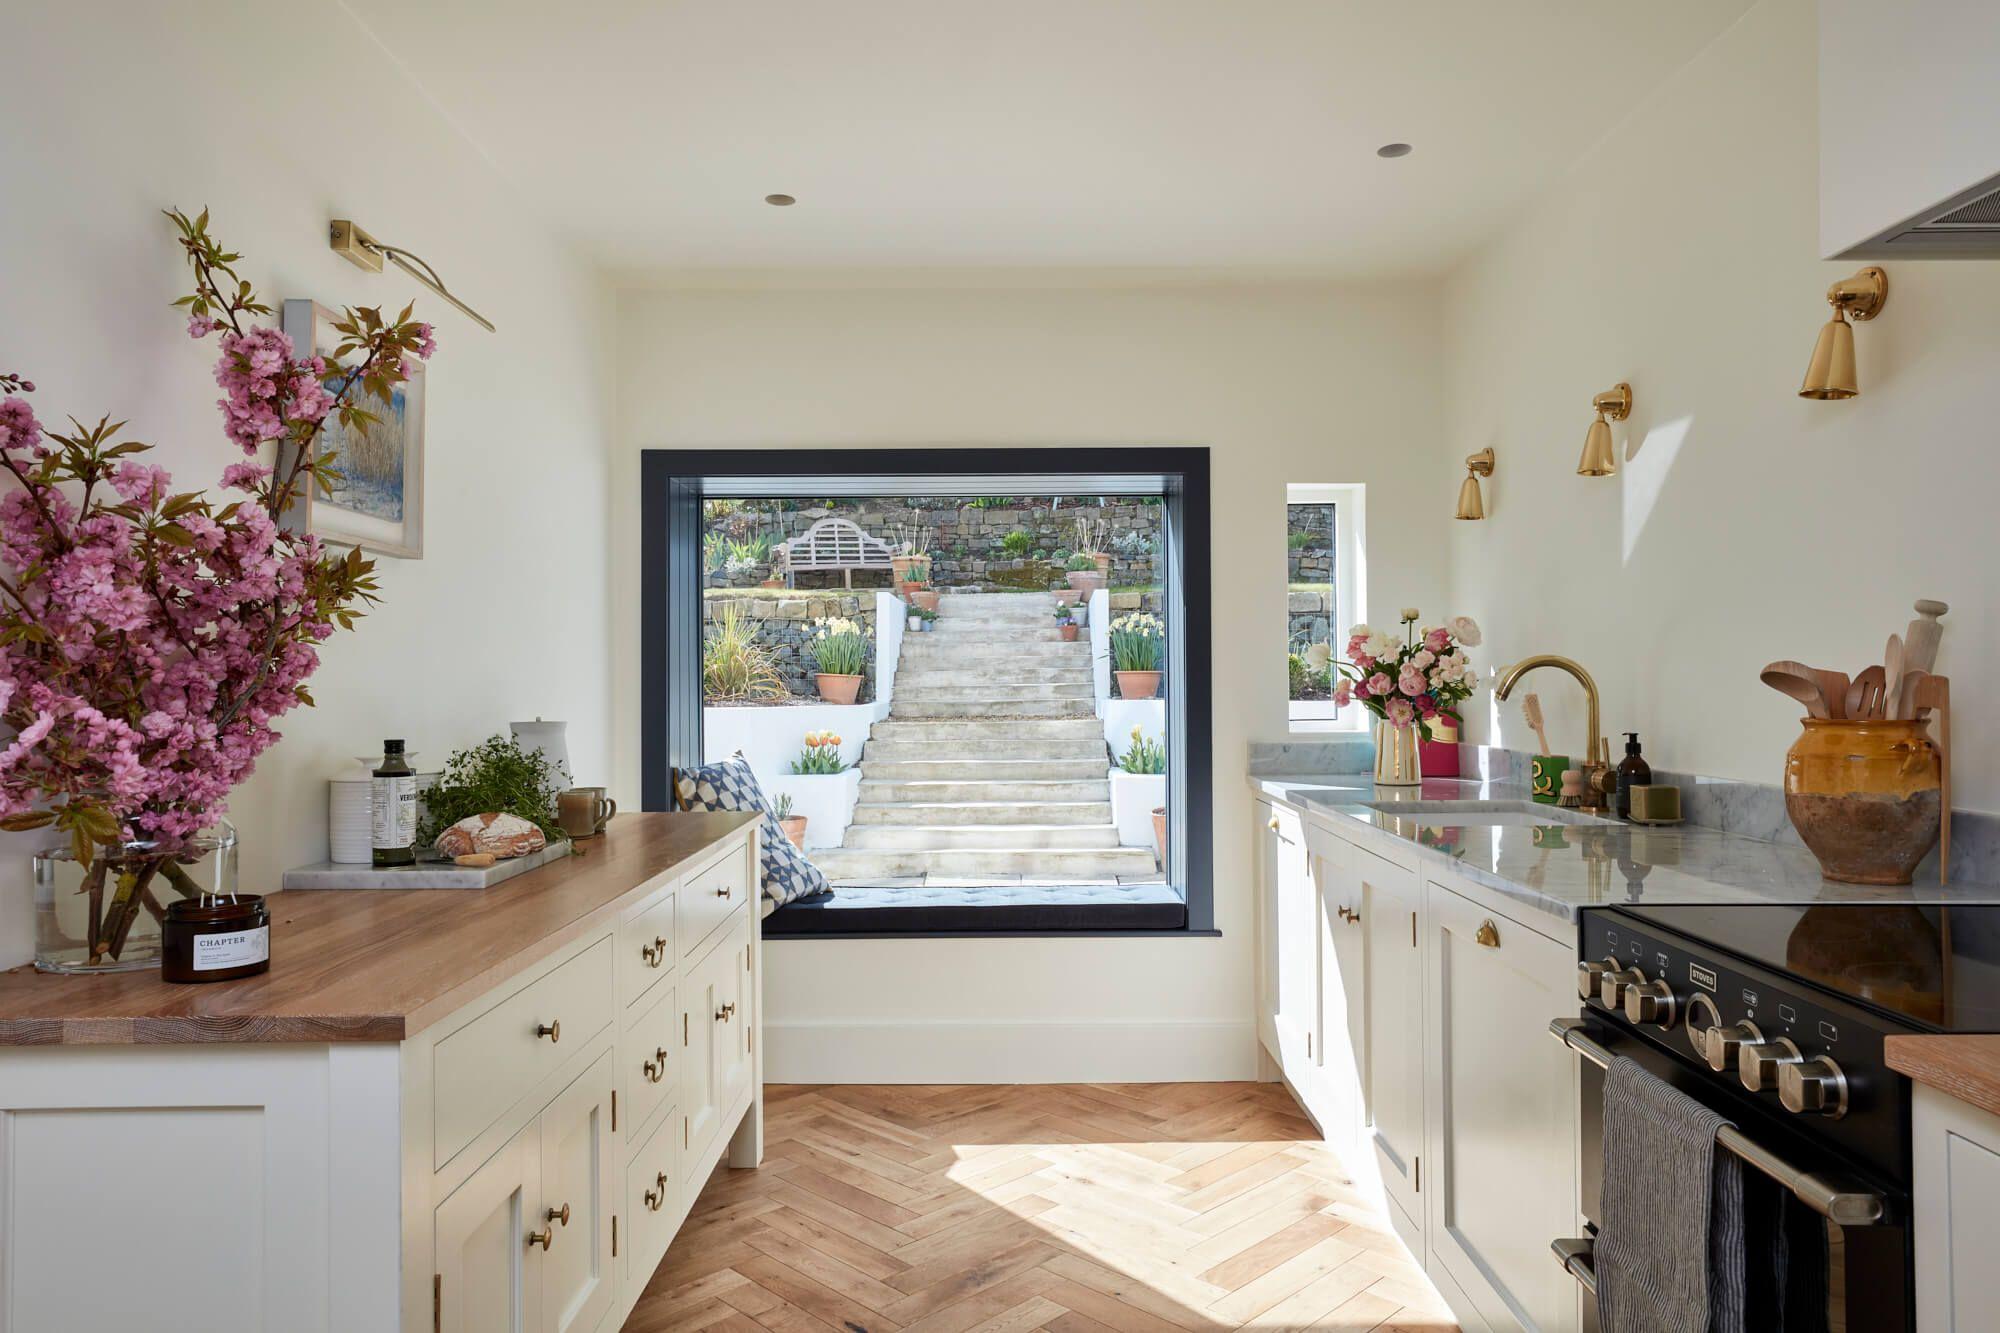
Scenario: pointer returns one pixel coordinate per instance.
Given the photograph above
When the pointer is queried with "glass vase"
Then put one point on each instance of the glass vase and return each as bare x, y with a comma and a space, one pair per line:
1398, 758
107, 918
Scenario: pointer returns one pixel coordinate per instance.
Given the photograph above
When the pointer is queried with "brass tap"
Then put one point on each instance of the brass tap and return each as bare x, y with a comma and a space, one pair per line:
1598, 779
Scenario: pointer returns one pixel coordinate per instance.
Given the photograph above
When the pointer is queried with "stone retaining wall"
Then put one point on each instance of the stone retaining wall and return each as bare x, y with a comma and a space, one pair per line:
784, 629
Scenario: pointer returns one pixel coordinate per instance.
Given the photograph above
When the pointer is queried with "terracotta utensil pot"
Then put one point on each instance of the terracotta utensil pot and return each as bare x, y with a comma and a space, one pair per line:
1865, 797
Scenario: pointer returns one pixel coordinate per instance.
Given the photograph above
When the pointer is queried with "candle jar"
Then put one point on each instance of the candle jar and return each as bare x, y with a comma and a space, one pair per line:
215, 939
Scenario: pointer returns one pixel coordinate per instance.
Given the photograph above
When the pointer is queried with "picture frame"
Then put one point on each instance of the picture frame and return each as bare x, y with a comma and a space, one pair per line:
379, 504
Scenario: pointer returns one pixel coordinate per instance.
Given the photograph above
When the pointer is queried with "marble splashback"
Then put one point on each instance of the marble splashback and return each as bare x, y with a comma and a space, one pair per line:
1298, 759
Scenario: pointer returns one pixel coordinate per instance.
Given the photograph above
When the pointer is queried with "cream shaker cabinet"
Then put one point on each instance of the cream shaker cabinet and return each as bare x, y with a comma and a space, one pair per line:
1956, 1155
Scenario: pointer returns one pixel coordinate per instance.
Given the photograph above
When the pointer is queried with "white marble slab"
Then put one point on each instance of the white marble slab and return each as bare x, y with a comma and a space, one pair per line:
423, 875
1562, 868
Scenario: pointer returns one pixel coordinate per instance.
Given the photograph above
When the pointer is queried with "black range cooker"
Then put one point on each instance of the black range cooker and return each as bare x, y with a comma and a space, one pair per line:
1776, 1016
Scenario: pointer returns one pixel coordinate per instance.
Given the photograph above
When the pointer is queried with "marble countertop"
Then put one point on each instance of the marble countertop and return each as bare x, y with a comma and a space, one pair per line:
1562, 868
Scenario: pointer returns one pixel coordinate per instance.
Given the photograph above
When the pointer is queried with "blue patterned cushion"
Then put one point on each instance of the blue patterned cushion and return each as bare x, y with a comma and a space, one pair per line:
730, 785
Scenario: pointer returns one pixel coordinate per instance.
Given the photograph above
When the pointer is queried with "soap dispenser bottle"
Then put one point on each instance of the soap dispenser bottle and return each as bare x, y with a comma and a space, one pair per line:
1633, 771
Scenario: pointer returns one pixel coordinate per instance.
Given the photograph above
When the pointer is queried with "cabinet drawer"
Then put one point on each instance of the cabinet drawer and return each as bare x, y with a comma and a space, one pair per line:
490, 1063
652, 1198
650, 1060
708, 896
646, 950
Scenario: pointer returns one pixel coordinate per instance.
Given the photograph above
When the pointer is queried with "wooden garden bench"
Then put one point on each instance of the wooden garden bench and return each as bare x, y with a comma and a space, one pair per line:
833, 543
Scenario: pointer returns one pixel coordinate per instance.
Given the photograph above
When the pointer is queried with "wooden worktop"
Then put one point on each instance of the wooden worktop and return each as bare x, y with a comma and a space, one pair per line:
368, 965
1967, 1067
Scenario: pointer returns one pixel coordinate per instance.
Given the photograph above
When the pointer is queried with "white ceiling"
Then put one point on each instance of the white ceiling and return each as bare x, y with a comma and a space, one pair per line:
1205, 134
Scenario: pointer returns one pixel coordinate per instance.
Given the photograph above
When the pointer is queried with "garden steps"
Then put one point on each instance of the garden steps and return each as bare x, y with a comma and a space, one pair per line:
950, 814
992, 760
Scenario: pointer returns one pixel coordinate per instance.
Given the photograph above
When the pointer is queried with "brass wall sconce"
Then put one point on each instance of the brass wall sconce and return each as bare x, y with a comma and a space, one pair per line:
1470, 503
363, 251
1831, 372
1600, 456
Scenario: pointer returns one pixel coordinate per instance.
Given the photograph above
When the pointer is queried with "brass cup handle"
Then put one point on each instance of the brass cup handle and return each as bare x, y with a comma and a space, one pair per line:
656, 1068
1488, 934
654, 953
654, 1201
560, 1215
725, 1013
544, 1238
553, 1031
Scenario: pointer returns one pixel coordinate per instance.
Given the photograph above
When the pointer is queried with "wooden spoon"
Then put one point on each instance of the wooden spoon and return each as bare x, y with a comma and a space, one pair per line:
1864, 695
1892, 674
1531, 709
1904, 705
1801, 682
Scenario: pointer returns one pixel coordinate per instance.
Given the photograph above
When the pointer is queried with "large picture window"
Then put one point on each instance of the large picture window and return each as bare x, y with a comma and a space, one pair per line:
1011, 731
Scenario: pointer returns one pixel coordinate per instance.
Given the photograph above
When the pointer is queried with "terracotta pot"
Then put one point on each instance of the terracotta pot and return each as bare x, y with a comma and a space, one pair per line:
772, 583
795, 830
1864, 796
1103, 559
1067, 632
1137, 684
907, 588
1160, 833
838, 689
1085, 581
927, 598
899, 568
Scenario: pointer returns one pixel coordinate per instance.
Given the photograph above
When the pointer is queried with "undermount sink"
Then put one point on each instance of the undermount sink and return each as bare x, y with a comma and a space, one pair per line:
1521, 814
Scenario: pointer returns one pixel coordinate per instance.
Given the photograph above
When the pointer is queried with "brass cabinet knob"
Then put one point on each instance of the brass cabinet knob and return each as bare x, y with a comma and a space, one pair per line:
1815, 1085
1354, 918
655, 1200
1273, 825
1344, 913
656, 1068
559, 1215
1488, 934
553, 1031
654, 953
543, 1238
722, 892
725, 1013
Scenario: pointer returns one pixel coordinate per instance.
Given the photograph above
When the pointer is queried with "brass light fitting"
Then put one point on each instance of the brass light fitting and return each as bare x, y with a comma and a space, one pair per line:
1471, 504
1600, 455
363, 251
1830, 374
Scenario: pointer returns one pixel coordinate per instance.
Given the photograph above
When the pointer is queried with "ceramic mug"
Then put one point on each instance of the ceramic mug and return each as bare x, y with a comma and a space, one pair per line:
584, 811
1545, 777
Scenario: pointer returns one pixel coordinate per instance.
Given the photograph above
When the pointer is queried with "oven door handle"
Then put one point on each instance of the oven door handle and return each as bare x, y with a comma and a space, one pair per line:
1578, 1260
1840, 1201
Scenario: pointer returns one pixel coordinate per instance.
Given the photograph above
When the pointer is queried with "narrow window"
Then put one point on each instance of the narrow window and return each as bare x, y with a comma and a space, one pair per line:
1323, 557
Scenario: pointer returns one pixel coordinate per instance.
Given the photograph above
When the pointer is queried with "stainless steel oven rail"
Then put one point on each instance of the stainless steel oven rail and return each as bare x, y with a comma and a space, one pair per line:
1837, 1201
1578, 1261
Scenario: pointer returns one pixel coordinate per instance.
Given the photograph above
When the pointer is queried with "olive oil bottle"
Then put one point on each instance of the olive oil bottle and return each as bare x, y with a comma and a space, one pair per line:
393, 797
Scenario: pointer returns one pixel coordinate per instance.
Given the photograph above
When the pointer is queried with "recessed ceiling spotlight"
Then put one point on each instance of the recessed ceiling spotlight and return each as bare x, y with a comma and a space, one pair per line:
785, 200
1393, 150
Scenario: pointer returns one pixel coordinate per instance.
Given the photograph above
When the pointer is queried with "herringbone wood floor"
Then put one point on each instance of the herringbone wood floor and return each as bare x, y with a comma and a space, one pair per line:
1073, 1208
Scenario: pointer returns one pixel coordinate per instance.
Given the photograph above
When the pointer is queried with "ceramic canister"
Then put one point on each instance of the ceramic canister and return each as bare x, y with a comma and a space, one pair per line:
349, 817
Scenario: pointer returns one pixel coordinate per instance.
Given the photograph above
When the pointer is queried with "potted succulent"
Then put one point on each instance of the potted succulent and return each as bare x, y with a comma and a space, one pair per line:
1065, 623
922, 619
1138, 646
840, 649
793, 825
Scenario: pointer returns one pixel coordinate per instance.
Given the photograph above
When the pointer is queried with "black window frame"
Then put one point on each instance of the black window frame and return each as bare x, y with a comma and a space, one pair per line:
673, 484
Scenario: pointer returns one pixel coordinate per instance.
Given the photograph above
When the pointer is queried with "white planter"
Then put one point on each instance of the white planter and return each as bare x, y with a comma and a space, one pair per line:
825, 799
770, 738
1121, 715
1134, 797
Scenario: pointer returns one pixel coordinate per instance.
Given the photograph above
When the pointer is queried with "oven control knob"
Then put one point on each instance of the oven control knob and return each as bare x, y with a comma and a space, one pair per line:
1815, 1086
1611, 987
1588, 974
1652, 1002
1758, 1062
1725, 1044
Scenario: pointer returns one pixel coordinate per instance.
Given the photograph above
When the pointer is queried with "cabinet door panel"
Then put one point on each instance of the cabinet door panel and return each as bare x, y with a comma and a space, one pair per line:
577, 1175
1298, 944
1267, 925
701, 989
733, 989
488, 1280
1500, 1147
1390, 907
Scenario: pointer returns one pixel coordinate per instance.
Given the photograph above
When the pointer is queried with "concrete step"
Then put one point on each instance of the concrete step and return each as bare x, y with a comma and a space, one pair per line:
960, 813
1018, 708
909, 676
877, 792
941, 837
985, 767
862, 863
943, 747
998, 729
996, 655
946, 690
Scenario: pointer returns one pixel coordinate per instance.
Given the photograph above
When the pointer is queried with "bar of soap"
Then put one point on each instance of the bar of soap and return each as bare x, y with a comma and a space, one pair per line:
475, 860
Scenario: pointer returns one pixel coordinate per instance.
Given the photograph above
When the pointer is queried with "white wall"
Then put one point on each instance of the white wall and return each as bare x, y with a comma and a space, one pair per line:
1749, 524
1284, 384
278, 117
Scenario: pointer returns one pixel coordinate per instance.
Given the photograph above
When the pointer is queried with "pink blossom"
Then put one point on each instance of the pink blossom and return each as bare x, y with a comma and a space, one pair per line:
244, 476
426, 340
200, 326
1343, 692
1411, 682
1423, 659
1379, 683
18, 427
139, 484
1437, 640
1400, 712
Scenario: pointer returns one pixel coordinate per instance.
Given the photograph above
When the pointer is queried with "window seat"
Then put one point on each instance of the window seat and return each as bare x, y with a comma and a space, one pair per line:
942, 909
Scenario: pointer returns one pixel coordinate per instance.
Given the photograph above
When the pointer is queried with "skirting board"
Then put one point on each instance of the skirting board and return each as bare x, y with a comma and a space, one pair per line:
1080, 1052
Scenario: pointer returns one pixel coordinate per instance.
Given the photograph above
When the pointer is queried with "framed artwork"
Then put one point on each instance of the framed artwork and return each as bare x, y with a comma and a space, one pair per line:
378, 501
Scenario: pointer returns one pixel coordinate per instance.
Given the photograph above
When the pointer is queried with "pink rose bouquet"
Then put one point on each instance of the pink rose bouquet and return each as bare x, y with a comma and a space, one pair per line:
1411, 679
149, 638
